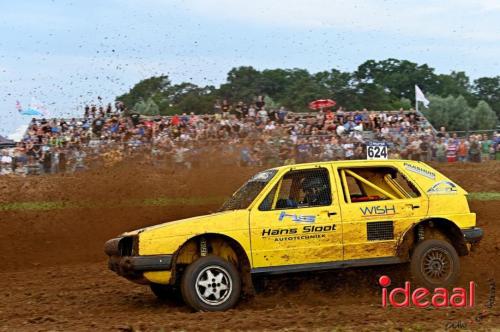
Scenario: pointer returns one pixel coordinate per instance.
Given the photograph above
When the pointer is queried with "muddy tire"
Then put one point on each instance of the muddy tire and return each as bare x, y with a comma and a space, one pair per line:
435, 263
211, 284
166, 293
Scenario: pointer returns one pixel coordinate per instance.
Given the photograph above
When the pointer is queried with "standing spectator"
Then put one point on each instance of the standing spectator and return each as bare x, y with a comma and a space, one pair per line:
217, 107
79, 157
260, 103
303, 151
5, 163
225, 108
282, 112
252, 111
486, 145
451, 151
46, 159
348, 147
474, 150
462, 150
425, 149
340, 115
262, 115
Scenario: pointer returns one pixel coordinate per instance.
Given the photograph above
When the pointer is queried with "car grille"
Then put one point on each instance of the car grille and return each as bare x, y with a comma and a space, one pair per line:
126, 246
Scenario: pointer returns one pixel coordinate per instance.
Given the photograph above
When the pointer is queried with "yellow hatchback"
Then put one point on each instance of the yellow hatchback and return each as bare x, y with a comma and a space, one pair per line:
306, 217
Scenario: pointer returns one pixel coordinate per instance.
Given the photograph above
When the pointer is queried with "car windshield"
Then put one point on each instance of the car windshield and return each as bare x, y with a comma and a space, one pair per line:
244, 196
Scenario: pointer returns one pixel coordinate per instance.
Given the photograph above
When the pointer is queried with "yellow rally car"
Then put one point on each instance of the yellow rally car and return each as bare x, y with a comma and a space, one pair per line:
306, 217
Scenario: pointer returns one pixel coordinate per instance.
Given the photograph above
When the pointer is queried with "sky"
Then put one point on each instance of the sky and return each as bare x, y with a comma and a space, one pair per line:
66, 53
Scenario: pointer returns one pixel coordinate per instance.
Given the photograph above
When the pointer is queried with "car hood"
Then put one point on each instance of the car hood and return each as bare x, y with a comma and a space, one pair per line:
214, 222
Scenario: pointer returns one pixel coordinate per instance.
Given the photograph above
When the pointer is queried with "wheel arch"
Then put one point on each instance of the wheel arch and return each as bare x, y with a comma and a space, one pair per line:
436, 228
217, 244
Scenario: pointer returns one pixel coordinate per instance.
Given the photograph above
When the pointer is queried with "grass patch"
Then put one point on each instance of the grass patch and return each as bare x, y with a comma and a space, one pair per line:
43, 206
485, 196
191, 201
160, 201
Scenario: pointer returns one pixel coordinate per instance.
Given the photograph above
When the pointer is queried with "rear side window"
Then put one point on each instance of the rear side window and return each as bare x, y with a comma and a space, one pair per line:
361, 184
300, 189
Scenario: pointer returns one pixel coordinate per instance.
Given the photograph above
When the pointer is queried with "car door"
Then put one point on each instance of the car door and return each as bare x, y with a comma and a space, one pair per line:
374, 218
298, 220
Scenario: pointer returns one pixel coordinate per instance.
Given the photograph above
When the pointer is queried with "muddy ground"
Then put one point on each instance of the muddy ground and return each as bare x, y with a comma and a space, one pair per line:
54, 274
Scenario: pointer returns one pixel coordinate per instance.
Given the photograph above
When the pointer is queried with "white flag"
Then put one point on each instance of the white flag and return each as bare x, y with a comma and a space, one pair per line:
419, 96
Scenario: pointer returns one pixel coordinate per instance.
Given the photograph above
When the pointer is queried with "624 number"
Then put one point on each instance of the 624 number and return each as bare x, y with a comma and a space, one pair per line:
377, 152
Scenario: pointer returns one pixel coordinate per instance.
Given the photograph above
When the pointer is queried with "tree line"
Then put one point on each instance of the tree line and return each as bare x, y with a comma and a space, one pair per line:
456, 102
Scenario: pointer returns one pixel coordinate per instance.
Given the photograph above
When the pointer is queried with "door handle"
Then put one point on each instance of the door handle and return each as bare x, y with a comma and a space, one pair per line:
329, 213
413, 207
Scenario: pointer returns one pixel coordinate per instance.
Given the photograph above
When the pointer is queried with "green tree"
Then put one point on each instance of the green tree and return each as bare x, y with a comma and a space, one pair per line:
459, 114
451, 112
372, 96
377, 85
243, 84
483, 117
301, 90
188, 97
488, 89
397, 77
438, 111
454, 84
147, 108
144, 90
339, 86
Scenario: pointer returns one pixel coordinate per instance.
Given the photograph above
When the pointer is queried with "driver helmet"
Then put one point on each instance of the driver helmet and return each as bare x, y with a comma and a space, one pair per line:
314, 185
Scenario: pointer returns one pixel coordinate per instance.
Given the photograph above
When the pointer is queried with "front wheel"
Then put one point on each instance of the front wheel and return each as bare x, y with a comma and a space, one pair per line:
211, 284
435, 263
166, 292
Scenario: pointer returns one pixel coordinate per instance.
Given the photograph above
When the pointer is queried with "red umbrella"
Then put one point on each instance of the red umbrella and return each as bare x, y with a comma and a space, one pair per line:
321, 103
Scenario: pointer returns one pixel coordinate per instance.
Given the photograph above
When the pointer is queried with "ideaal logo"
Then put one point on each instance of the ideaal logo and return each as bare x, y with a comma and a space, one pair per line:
422, 297
378, 210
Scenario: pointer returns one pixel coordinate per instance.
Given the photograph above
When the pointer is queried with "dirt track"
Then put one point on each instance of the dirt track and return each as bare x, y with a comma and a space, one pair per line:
55, 275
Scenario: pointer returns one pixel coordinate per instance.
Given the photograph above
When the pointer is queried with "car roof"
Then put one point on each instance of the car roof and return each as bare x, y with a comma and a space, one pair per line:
359, 162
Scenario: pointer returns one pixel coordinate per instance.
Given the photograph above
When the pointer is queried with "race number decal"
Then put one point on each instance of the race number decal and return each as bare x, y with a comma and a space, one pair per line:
376, 150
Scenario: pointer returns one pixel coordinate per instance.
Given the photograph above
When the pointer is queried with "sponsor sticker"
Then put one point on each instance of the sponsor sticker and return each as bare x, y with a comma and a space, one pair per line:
443, 188
296, 217
307, 232
421, 171
377, 210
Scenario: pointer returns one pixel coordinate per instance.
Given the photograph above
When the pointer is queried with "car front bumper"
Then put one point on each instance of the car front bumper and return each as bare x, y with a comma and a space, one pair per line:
129, 266
124, 260
473, 235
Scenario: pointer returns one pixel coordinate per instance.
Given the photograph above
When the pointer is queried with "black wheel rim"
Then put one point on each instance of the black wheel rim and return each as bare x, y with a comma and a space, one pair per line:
437, 265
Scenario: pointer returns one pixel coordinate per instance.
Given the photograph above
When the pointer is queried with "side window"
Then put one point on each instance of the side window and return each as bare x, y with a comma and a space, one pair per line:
300, 189
375, 184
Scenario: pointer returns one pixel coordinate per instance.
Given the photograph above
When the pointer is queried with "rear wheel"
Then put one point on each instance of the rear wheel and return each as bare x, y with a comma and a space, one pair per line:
435, 263
211, 284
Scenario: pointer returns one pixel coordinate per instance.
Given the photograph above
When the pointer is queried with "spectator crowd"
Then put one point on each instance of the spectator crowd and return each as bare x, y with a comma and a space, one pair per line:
238, 134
